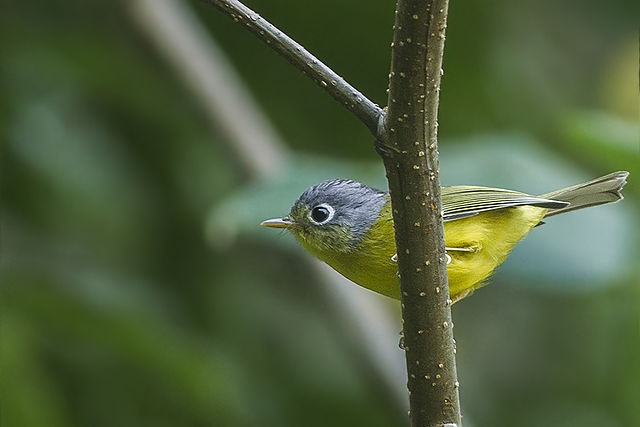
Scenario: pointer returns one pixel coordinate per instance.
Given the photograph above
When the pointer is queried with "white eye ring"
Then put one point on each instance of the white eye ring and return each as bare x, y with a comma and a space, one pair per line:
329, 208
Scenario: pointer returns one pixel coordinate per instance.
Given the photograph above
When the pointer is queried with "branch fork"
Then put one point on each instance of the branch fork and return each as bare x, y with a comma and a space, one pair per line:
406, 137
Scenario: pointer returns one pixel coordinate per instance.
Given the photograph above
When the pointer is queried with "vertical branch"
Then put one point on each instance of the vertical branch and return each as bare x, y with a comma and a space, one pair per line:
406, 138
408, 146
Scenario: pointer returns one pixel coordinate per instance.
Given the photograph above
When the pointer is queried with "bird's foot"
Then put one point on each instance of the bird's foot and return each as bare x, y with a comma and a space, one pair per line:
462, 295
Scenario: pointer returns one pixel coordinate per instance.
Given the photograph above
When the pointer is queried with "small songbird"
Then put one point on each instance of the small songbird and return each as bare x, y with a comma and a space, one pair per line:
349, 226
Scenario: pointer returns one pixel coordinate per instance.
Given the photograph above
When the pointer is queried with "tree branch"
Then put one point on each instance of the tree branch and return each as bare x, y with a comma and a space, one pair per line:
407, 141
354, 101
409, 149
172, 27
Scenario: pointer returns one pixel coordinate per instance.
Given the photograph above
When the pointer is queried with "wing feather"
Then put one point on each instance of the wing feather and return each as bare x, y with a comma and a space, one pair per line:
465, 201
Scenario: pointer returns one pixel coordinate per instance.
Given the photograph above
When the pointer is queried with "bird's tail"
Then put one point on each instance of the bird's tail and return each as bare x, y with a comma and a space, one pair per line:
600, 191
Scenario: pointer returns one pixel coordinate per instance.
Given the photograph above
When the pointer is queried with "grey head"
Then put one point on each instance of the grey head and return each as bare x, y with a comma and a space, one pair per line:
335, 214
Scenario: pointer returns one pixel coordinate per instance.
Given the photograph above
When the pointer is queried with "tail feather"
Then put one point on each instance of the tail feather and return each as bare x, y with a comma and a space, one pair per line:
600, 191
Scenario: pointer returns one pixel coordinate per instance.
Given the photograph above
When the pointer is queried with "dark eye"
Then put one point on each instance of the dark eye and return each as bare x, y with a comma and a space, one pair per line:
322, 214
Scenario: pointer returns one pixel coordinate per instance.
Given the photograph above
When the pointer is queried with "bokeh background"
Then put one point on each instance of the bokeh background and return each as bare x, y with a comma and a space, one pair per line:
143, 141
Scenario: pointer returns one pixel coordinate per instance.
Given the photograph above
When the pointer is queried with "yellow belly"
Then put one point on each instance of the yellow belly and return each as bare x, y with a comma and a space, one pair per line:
491, 234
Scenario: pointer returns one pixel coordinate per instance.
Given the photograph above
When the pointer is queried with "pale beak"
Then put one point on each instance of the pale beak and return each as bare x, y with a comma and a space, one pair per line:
277, 223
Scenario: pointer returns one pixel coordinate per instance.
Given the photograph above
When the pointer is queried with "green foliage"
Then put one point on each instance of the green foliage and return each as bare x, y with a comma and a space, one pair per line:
137, 289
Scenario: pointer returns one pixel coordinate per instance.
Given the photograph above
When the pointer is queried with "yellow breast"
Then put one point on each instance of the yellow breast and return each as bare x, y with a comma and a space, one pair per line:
491, 234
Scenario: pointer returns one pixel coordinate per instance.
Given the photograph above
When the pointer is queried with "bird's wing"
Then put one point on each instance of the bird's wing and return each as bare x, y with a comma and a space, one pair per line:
464, 201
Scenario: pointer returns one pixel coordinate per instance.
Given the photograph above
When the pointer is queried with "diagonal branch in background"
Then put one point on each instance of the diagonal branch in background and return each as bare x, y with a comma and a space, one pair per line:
409, 148
178, 34
183, 41
354, 101
407, 141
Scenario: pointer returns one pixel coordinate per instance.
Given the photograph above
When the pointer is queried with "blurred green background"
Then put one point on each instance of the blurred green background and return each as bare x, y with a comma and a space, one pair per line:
137, 288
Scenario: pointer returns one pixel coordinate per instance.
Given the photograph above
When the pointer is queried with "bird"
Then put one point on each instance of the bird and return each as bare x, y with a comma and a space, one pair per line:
349, 226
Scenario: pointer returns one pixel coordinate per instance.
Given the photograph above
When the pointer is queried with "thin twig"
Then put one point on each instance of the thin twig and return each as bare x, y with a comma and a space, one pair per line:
179, 35
364, 109
407, 141
410, 152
